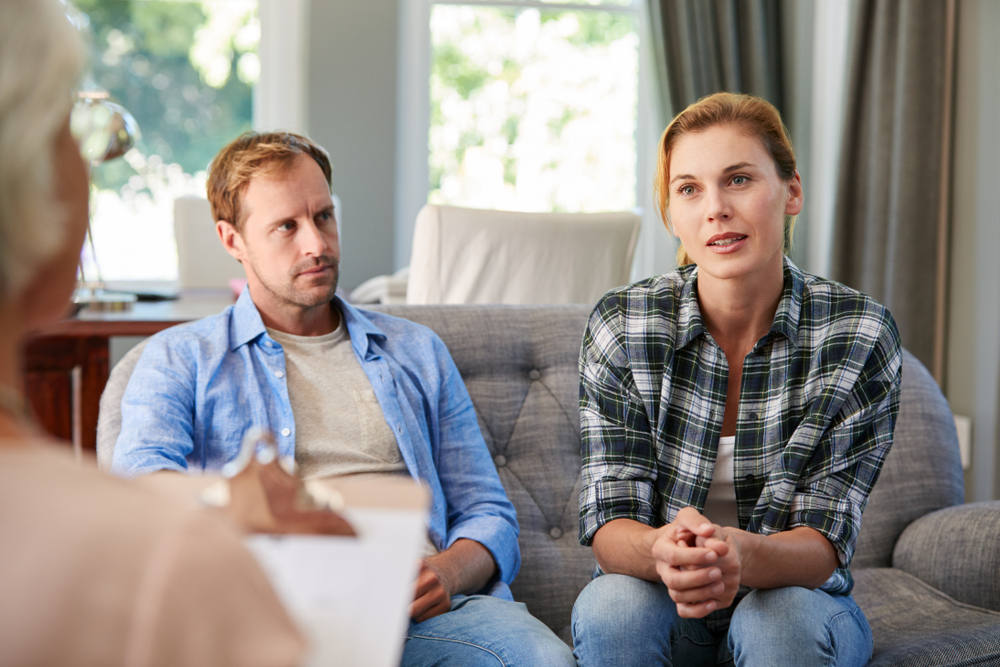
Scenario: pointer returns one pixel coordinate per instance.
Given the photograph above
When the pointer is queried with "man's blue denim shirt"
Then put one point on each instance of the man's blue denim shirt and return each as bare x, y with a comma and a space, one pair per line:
199, 386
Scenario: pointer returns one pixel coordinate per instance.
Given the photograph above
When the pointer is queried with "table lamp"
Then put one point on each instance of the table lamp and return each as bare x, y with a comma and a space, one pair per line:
105, 130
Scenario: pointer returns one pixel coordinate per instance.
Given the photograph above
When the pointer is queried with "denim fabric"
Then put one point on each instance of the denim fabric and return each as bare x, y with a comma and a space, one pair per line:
198, 387
482, 630
622, 620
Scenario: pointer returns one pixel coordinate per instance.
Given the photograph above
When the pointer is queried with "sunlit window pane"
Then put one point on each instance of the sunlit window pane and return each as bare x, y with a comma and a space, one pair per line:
186, 70
614, 3
533, 109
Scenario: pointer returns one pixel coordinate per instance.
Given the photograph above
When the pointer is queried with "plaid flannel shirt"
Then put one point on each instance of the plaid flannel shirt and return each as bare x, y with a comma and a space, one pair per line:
818, 402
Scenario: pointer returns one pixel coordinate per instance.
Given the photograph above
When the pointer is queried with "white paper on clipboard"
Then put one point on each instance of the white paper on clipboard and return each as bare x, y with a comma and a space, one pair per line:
350, 596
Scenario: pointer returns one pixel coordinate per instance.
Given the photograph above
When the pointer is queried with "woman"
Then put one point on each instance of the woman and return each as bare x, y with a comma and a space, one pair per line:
93, 570
735, 414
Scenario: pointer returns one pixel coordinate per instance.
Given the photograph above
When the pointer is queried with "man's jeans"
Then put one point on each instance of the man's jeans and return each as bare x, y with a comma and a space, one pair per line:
484, 630
621, 620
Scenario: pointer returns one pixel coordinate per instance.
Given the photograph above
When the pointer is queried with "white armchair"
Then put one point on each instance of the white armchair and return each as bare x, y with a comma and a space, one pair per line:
201, 260
465, 255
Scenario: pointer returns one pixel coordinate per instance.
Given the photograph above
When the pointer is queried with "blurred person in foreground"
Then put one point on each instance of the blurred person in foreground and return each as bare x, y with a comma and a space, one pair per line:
735, 414
93, 570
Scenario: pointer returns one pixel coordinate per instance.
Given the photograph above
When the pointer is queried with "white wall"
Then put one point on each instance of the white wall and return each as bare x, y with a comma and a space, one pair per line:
351, 111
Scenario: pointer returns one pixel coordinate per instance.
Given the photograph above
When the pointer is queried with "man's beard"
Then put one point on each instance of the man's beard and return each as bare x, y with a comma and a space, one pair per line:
324, 261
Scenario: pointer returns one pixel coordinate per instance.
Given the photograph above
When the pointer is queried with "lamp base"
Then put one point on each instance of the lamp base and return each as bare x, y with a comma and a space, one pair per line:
102, 300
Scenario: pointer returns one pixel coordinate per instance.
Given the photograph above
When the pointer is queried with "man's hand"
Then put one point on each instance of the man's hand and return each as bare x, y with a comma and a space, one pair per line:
464, 567
433, 594
697, 562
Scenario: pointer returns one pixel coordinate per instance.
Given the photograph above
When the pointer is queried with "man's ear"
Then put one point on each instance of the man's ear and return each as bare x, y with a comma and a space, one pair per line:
231, 239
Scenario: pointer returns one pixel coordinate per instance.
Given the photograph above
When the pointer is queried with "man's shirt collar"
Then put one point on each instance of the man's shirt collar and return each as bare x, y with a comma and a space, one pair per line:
246, 324
363, 332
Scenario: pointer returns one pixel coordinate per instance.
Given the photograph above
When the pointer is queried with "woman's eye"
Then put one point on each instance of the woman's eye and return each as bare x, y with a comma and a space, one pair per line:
686, 190
740, 180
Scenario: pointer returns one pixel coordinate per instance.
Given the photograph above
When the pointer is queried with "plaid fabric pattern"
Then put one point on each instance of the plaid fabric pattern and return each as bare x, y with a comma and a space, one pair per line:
818, 404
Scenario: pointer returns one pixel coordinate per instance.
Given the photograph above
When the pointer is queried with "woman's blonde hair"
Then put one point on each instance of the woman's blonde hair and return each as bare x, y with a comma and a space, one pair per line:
757, 116
41, 59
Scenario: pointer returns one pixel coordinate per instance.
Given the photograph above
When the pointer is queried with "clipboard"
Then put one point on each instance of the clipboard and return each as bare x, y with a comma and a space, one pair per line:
349, 587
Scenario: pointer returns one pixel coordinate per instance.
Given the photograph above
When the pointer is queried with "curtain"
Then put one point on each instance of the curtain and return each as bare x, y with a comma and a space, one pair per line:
704, 46
891, 203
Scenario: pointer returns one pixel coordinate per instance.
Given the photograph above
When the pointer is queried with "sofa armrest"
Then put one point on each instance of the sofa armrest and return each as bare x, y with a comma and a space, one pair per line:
956, 550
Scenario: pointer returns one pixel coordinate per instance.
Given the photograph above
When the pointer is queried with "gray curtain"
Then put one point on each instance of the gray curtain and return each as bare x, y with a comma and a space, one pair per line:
704, 46
890, 216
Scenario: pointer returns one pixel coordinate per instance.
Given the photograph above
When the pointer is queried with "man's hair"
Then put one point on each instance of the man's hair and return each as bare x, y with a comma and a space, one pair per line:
41, 59
252, 154
756, 115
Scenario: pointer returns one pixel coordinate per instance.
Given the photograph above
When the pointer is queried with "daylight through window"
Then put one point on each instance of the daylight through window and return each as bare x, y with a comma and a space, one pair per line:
186, 70
534, 108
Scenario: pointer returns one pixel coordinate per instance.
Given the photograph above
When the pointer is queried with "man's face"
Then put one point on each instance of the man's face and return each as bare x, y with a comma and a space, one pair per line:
288, 242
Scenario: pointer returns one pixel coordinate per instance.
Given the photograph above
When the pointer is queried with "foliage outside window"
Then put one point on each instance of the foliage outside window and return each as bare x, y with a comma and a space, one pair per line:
186, 70
532, 108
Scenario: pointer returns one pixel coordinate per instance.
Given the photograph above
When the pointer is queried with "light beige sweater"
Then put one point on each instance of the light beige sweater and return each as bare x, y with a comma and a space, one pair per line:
101, 571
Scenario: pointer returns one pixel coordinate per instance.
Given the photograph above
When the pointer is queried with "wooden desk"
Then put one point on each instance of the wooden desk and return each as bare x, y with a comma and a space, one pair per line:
66, 365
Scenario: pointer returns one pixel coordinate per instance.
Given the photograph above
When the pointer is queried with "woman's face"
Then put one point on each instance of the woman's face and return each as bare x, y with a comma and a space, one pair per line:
727, 203
48, 293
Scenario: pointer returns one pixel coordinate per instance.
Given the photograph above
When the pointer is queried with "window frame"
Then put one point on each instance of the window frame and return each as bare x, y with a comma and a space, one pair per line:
413, 116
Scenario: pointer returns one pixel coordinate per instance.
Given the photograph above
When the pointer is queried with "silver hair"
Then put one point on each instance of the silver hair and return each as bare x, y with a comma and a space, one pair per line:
41, 59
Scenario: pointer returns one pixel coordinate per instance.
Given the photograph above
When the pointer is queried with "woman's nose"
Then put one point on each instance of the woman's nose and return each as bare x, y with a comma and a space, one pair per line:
718, 207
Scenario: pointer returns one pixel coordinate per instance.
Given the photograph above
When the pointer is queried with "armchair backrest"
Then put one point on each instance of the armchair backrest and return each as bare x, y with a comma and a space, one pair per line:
466, 255
201, 260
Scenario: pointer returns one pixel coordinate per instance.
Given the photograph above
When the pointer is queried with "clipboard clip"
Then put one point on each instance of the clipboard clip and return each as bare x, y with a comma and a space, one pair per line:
264, 495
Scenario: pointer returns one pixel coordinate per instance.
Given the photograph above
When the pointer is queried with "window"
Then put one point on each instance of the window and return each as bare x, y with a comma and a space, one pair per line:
533, 108
186, 70
530, 105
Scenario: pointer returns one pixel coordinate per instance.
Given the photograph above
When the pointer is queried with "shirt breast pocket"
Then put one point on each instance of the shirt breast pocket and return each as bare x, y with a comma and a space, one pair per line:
375, 434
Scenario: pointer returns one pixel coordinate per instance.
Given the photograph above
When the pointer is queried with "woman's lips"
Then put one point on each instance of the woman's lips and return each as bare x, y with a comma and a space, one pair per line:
726, 243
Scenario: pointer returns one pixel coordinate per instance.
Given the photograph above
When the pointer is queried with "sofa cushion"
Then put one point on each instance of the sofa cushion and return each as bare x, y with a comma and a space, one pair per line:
917, 625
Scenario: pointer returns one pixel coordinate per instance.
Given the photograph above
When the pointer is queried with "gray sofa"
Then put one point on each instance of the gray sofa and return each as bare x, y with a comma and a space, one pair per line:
927, 567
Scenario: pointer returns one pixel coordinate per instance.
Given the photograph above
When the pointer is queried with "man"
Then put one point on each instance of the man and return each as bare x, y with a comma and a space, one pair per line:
345, 391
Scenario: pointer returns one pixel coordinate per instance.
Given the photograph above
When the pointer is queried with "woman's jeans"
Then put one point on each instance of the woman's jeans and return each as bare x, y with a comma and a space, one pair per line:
622, 620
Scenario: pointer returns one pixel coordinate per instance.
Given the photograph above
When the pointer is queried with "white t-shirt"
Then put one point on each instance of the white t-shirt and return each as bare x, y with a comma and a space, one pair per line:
720, 507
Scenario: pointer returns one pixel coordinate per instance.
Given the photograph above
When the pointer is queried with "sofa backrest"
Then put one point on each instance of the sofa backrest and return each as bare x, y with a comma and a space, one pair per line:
496, 349
922, 473
520, 366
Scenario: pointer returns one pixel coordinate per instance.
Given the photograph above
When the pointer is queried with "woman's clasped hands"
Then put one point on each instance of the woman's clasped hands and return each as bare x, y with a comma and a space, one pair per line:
699, 562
